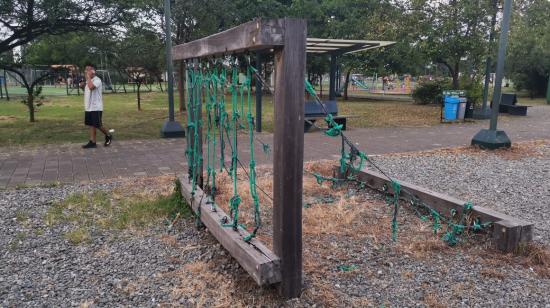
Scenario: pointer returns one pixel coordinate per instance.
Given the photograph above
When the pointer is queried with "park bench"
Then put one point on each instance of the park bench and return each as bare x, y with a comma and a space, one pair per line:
313, 112
508, 104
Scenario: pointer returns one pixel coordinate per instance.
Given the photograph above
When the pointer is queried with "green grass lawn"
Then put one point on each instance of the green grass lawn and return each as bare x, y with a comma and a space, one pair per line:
60, 118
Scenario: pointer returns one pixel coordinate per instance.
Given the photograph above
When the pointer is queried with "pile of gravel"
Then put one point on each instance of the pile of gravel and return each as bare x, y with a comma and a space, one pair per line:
517, 187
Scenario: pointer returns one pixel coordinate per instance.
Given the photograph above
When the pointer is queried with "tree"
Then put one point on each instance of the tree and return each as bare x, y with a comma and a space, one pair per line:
22, 22
453, 32
70, 48
26, 20
139, 56
31, 84
529, 53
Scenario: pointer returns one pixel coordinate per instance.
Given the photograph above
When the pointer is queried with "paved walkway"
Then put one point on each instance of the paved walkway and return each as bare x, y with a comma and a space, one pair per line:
70, 163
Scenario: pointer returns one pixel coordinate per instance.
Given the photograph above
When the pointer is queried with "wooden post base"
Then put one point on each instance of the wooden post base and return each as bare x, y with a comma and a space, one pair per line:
255, 258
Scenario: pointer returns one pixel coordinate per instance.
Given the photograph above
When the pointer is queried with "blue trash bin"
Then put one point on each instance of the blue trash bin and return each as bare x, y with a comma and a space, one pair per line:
451, 108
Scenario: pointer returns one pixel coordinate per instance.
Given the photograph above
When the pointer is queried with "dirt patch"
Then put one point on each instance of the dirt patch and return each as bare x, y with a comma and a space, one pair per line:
7, 118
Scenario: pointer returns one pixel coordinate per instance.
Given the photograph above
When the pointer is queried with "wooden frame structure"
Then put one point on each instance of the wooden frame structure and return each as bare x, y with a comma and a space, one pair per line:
508, 232
287, 38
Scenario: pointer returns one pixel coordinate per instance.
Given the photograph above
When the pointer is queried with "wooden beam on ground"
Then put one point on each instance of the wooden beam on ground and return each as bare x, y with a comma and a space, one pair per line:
255, 258
508, 232
254, 35
288, 154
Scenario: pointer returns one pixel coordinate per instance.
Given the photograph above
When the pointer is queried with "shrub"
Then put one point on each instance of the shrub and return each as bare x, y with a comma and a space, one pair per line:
430, 91
474, 89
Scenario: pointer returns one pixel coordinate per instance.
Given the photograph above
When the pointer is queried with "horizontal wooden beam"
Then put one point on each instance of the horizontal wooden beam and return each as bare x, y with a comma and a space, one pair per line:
253, 35
256, 259
508, 232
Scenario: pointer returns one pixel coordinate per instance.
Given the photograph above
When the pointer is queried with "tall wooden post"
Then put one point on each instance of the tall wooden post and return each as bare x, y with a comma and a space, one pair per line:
258, 93
181, 85
288, 155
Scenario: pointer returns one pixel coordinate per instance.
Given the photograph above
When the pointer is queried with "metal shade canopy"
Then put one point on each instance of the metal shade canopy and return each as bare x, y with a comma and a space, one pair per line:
341, 47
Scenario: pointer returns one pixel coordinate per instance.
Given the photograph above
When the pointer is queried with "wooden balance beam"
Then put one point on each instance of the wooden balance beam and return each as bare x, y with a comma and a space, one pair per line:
508, 232
256, 259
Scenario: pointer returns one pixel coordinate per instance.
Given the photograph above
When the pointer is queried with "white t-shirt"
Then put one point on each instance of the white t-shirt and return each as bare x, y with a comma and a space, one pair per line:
93, 99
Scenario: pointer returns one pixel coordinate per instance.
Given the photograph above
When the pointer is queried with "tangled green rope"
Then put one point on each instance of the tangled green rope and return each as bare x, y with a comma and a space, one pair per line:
354, 160
222, 129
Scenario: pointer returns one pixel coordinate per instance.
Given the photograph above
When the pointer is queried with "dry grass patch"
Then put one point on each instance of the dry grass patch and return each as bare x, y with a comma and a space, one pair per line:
533, 256
422, 247
339, 222
202, 285
7, 118
432, 300
492, 273
133, 206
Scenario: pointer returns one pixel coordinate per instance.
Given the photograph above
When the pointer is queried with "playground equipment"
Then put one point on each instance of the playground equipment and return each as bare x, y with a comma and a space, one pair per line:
211, 66
508, 232
287, 38
357, 82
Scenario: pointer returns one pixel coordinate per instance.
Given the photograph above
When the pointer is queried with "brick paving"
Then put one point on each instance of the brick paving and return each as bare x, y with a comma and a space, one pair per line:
70, 163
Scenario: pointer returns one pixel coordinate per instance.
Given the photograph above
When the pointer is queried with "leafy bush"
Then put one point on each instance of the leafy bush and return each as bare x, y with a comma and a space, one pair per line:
474, 89
430, 91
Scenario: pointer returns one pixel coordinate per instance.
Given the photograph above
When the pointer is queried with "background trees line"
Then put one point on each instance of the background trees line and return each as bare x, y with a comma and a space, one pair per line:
454, 35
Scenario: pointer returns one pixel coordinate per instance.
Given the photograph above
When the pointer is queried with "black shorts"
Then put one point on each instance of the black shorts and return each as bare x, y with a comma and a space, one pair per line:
93, 118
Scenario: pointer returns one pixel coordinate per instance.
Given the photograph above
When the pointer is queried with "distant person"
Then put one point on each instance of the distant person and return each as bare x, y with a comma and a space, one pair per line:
93, 106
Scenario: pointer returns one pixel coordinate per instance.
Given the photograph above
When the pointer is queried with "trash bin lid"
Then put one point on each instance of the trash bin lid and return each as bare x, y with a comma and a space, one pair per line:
452, 100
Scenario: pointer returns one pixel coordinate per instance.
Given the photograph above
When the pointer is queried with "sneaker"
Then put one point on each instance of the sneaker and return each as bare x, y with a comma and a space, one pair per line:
108, 140
89, 145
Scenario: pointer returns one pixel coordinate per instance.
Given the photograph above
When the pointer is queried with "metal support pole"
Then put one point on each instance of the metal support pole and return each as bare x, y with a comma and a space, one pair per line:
258, 93
548, 91
332, 79
484, 107
171, 128
485, 111
503, 43
169, 63
492, 138
181, 85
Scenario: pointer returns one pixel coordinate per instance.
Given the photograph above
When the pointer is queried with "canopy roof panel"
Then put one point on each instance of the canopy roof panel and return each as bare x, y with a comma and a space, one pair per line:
340, 47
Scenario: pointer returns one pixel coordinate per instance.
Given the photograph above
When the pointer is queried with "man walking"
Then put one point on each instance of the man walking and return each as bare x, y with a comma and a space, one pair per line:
93, 106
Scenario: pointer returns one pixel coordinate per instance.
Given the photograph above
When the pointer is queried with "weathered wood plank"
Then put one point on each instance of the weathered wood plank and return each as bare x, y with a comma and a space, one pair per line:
254, 35
288, 154
516, 231
255, 258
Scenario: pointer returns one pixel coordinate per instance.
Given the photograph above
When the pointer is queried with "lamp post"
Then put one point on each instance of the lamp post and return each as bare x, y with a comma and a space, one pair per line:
170, 128
492, 138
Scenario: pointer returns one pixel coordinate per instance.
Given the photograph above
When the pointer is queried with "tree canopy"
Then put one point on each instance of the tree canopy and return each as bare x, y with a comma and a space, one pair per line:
23, 21
453, 35
529, 54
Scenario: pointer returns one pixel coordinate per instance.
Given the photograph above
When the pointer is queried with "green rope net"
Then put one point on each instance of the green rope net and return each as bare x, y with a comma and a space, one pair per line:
353, 160
207, 85
210, 82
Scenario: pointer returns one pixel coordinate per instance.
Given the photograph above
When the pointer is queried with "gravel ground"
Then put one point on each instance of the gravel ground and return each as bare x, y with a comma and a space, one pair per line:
517, 184
40, 267
183, 266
